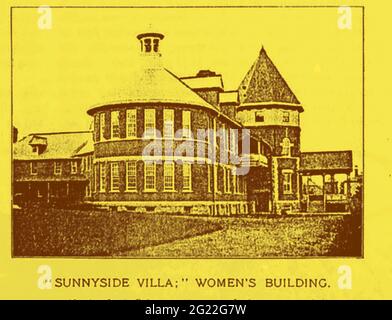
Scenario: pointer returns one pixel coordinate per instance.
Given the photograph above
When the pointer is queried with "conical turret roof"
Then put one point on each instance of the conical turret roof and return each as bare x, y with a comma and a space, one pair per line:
264, 83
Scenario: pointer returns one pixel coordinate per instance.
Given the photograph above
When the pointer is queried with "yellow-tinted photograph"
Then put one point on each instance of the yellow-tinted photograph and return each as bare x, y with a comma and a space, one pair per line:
210, 134
183, 142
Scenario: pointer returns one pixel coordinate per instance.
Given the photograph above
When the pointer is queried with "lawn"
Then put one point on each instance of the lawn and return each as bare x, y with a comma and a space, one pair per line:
64, 232
294, 236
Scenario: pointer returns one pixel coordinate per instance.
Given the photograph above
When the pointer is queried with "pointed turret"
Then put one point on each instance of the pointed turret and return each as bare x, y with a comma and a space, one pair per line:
263, 84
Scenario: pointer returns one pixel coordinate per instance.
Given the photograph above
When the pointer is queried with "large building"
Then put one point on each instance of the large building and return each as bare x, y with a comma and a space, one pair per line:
164, 143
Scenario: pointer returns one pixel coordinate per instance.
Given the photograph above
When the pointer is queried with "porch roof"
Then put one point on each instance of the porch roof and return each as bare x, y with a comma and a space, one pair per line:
326, 162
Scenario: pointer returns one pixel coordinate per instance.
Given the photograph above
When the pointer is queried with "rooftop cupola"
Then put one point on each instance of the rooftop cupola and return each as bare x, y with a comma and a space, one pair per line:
149, 43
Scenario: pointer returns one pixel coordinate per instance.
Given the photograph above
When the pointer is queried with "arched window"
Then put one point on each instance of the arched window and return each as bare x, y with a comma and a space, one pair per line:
286, 147
147, 45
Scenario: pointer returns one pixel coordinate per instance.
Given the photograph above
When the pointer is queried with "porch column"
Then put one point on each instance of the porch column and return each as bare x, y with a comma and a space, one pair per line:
67, 192
307, 193
324, 195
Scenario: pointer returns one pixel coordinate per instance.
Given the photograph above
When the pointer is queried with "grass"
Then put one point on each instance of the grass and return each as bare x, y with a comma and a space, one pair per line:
61, 232
294, 236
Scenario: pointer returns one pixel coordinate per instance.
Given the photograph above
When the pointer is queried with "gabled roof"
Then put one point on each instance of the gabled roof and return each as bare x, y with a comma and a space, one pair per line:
326, 161
210, 82
60, 145
151, 85
38, 140
264, 83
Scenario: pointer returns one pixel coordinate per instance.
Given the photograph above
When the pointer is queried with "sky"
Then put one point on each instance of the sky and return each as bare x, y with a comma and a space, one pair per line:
60, 72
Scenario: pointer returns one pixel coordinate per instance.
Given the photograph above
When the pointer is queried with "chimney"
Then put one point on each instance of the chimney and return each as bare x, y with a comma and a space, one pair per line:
14, 134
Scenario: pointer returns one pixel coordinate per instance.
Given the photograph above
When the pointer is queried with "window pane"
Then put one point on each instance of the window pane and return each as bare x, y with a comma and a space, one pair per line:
57, 168
33, 168
131, 123
168, 120
101, 126
149, 123
286, 116
149, 171
114, 177
287, 183
187, 176
102, 175
115, 121
131, 176
168, 174
186, 124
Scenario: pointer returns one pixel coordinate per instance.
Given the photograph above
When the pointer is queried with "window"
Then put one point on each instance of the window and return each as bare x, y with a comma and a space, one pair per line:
131, 123
57, 168
74, 167
156, 45
187, 176
115, 124
131, 176
114, 177
149, 123
147, 45
33, 168
287, 180
286, 147
259, 116
286, 116
168, 123
101, 126
168, 176
186, 124
234, 141
35, 149
102, 177
149, 176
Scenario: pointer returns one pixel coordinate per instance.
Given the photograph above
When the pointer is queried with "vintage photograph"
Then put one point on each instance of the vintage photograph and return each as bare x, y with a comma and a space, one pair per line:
160, 133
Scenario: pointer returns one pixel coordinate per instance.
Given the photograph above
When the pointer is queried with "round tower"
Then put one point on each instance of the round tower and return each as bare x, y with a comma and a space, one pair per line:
269, 108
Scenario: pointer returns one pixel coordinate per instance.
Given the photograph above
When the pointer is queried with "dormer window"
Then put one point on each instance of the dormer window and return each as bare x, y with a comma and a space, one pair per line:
38, 144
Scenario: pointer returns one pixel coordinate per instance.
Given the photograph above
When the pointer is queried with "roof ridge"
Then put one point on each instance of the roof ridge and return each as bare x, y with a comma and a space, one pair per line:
58, 132
188, 87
